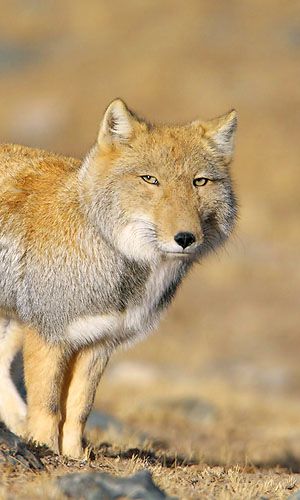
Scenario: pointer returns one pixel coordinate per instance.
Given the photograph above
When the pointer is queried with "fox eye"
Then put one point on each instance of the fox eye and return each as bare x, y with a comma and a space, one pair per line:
150, 179
200, 181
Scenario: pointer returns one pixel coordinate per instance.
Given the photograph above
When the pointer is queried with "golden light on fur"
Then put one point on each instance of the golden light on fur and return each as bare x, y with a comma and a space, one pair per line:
92, 253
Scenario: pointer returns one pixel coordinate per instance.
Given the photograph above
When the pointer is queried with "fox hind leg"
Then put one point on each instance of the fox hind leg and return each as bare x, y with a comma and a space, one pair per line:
12, 406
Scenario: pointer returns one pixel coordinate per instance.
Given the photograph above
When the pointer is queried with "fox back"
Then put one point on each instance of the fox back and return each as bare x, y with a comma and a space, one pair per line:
94, 250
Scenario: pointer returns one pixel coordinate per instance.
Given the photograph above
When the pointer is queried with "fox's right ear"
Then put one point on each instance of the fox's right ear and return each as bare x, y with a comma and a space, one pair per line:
117, 125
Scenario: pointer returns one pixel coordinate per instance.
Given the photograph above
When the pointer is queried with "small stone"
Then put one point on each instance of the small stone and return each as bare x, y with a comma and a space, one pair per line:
16, 56
105, 422
98, 419
194, 409
295, 496
100, 485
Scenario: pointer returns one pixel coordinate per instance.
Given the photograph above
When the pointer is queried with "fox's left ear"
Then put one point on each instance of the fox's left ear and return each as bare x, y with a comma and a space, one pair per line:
117, 125
222, 131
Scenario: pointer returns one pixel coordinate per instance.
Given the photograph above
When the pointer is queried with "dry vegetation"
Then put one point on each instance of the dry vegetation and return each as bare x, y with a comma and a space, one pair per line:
210, 403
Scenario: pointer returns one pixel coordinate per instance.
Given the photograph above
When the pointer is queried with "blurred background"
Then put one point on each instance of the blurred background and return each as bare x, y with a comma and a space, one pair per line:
221, 377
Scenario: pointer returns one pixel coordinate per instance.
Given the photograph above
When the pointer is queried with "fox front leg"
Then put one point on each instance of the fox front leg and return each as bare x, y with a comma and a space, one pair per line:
81, 381
44, 367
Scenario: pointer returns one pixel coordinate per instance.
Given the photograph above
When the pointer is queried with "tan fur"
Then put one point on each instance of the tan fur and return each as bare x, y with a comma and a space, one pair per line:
77, 398
89, 257
44, 374
55, 378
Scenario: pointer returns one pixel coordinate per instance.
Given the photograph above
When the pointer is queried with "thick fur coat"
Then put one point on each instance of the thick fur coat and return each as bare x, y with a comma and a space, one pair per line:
92, 252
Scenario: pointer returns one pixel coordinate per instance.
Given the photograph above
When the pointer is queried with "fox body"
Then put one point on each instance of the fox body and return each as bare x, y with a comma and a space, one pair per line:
92, 252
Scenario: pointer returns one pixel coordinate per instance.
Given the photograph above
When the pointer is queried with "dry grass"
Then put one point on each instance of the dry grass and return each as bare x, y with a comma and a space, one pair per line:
231, 339
248, 447
196, 481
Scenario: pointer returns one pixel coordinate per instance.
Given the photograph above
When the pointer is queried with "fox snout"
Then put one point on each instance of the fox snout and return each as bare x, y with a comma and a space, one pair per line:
181, 242
184, 239
178, 227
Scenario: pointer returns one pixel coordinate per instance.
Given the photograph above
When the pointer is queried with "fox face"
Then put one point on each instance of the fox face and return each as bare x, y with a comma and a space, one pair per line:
160, 191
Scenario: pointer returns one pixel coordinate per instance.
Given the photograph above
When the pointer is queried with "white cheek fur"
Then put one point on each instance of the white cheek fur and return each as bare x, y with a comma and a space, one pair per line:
137, 239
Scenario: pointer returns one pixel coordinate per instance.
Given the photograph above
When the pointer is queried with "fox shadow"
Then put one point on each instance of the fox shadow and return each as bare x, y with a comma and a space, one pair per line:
287, 461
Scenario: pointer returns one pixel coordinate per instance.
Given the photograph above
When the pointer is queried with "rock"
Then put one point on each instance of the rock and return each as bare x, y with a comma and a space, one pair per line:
16, 56
193, 409
244, 374
100, 485
15, 451
104, 422
295, 496
293, 36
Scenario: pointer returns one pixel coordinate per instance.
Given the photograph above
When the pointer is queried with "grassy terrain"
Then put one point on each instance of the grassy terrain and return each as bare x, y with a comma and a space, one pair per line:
211, 402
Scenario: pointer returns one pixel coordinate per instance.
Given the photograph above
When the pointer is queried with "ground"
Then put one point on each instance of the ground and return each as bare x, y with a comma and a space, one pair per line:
211, 402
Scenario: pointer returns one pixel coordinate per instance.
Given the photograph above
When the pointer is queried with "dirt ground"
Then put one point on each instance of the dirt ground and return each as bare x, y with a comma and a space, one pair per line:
211, 402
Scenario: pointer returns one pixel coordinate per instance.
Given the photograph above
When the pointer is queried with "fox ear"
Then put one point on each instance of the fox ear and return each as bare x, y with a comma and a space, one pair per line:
117, 124
222, 131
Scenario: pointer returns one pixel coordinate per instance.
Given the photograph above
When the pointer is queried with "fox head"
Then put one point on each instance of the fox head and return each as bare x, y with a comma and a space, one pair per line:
160, 191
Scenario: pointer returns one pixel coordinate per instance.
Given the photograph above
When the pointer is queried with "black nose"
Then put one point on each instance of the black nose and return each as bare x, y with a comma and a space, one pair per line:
184, 239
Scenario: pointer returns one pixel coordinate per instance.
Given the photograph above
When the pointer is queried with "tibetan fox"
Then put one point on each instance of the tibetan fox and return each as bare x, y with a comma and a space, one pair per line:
92, 252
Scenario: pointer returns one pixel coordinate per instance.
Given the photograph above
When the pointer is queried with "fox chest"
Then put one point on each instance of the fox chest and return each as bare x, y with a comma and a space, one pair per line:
137, 319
